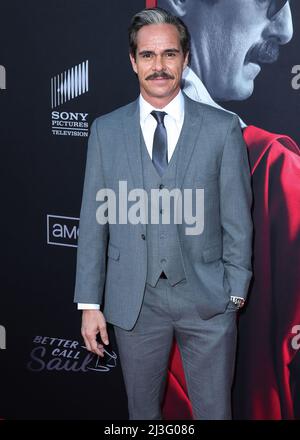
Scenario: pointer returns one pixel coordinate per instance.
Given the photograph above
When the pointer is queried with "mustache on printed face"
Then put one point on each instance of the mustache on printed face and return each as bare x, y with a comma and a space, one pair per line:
264, 53
162, 74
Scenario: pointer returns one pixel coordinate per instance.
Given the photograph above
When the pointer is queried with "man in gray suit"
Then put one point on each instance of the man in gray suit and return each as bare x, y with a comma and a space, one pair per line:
158, 277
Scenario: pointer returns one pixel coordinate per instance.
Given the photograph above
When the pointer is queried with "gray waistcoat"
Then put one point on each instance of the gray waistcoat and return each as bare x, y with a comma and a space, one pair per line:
163, 248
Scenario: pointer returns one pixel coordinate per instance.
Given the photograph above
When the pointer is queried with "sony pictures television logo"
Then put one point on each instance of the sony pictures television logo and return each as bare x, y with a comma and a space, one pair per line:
62, 231
65, 87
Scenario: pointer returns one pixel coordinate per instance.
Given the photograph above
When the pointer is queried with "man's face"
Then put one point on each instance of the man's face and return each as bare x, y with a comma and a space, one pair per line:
231, 39
159, 63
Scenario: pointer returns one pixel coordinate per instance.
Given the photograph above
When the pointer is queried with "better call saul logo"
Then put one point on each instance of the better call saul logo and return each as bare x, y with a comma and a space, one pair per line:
60, 354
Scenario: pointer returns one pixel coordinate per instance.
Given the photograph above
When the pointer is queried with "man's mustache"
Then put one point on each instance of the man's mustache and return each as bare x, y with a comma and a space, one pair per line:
266, 52
156, 75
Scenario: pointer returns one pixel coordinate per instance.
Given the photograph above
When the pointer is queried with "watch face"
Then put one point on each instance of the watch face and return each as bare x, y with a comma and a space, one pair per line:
237, 302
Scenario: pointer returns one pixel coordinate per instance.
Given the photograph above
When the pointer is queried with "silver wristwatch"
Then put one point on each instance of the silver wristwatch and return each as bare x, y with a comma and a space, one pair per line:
238, 301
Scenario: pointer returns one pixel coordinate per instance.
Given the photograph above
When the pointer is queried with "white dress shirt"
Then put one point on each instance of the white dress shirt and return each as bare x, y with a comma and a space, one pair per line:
173, 122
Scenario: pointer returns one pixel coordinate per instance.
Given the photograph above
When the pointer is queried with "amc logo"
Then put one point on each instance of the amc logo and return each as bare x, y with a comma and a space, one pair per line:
62, 231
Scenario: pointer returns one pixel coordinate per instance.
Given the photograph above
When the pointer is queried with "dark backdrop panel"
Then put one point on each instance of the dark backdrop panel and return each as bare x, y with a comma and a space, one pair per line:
43, 175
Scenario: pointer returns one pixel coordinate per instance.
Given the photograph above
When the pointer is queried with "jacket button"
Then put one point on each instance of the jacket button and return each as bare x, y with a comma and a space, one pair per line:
143, 237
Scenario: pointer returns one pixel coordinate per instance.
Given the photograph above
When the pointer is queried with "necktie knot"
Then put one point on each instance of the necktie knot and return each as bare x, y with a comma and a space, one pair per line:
158, 116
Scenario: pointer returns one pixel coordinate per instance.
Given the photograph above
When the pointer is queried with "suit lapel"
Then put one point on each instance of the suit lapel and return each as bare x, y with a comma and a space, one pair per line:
132, 134
192, 126
131, 128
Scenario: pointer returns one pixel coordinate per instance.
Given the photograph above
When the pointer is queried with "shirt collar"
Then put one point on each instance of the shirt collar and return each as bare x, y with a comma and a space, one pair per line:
196, 90
175, 108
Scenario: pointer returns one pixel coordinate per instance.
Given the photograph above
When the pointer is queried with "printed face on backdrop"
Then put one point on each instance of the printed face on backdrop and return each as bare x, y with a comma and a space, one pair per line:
232, 39
159, 63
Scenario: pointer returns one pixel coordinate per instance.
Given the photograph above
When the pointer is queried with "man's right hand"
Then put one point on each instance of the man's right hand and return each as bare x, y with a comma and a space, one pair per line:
93, 322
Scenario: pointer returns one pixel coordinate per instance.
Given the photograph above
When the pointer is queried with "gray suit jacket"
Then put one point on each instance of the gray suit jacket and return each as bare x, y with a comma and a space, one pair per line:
112, 258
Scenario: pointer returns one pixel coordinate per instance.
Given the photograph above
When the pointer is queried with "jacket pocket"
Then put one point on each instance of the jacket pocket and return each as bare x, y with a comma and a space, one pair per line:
211, 254
113, 252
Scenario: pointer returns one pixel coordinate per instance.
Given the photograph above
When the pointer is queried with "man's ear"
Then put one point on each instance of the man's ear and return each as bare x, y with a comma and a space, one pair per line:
178, 7
133, 63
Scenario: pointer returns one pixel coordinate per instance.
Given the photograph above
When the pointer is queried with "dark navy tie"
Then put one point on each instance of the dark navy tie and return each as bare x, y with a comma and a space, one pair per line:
160, 143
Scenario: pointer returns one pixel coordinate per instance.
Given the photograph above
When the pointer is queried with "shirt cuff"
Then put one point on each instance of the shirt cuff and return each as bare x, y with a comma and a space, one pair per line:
85, 306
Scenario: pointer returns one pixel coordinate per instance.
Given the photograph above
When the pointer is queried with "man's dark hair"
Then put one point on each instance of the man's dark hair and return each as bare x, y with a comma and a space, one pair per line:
157, 16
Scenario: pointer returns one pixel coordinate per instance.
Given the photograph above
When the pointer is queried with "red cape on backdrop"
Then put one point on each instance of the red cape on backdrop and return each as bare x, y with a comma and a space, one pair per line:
263, 386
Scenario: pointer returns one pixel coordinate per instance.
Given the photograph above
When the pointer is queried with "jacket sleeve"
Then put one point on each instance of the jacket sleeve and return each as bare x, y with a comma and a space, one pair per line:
235, 211
93, 237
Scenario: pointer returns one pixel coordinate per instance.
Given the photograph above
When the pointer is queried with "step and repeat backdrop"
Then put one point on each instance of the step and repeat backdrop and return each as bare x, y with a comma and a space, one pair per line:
64, 62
